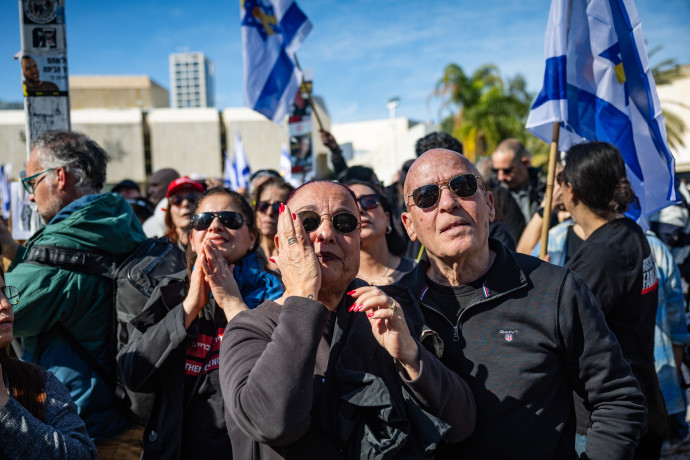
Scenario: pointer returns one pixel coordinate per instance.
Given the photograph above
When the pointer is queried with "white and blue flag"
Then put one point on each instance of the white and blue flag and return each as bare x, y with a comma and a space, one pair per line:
598, 85
236, 169
285, 164
5, 192
272, 31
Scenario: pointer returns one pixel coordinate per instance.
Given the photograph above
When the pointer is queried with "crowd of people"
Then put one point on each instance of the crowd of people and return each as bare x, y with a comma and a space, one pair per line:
345, 319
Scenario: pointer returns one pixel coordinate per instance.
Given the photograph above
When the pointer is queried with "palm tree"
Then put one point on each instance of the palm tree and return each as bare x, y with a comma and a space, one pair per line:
488, 109
665, 73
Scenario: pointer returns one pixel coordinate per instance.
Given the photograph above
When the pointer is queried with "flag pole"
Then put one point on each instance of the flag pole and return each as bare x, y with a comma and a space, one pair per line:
311, 103
546, 220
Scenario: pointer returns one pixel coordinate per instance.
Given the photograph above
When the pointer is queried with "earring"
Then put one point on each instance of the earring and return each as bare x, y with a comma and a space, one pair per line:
389, 229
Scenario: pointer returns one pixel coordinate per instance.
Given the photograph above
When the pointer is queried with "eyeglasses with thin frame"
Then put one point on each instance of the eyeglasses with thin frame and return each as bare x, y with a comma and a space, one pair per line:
12, 294
263, 207
28, 184
343, 222
368, 202
506, 171
463, 186
230, 219
176, 200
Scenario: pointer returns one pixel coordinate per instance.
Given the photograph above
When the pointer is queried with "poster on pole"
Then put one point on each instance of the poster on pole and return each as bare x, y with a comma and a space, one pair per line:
300, 131
21, 212
44, 74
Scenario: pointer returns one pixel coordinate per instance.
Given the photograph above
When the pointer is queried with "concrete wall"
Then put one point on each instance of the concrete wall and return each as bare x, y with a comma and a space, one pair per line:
187, 140
382, 144
13, 140
121, 134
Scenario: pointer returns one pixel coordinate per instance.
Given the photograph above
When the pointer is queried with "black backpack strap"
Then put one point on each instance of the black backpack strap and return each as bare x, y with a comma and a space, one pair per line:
86, 356
75, 260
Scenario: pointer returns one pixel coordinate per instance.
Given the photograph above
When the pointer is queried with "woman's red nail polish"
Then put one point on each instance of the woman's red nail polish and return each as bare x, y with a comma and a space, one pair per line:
352, 292
272, 259
352, 307
369, 315
281, 209
294, 217
358, 307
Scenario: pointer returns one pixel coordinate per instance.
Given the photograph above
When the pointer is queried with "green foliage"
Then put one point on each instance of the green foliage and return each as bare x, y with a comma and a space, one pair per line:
485, 108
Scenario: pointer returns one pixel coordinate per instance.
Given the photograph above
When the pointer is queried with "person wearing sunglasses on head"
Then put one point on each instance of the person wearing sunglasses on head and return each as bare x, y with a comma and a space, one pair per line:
174, 348
381, 257
267, 198
183, 194
331, 369
37, 416
523, 333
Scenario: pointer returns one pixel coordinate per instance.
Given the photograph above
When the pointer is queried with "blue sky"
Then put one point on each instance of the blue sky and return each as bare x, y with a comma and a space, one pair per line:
363, 52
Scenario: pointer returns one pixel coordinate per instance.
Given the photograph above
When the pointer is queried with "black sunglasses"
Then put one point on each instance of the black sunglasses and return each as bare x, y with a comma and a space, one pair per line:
506, 171
343, 222
229, 219
177, 200
368, 202
263, 206
462, 186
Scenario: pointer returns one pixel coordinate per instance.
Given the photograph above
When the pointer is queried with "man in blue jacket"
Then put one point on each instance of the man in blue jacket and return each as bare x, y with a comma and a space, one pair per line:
65, 174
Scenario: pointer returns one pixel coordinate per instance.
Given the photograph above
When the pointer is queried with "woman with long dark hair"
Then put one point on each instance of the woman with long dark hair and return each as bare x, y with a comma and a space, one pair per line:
37, 416
174, 348
616, 263
267, 198
381, 259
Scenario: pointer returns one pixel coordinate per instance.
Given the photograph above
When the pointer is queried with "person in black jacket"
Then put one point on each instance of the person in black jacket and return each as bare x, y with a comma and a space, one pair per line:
173, 350
331, 369
617, 264
523, 333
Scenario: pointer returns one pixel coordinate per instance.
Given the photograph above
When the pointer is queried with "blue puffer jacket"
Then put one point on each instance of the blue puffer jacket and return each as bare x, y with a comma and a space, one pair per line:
81, 302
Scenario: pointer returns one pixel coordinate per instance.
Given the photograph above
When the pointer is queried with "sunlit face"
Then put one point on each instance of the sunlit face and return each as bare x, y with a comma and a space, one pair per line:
233, 243
6, 317
267, 222
30, 70
454, 226
375, 221
47, 201
181, 211
338, 253
513, 173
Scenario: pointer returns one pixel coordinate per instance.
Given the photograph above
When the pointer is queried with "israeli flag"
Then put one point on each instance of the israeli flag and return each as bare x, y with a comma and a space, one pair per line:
272, 31
241, 165
5, 193
598, 85
285, 164
229, 174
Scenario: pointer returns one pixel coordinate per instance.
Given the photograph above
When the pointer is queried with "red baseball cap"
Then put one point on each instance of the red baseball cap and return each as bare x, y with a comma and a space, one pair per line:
182, 183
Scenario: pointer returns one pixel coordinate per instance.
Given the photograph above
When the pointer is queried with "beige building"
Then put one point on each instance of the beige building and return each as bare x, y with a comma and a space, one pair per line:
116, 92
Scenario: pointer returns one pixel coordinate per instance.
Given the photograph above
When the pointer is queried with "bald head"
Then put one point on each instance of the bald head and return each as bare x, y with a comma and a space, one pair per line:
158, 183
436, 159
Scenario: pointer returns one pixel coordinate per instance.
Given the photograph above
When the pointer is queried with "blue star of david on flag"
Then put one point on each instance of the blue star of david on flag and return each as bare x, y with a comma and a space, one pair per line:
598, 85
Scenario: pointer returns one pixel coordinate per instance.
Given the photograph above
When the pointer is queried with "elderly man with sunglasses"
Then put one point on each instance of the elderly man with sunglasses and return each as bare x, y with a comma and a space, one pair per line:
65, 174
524, 334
